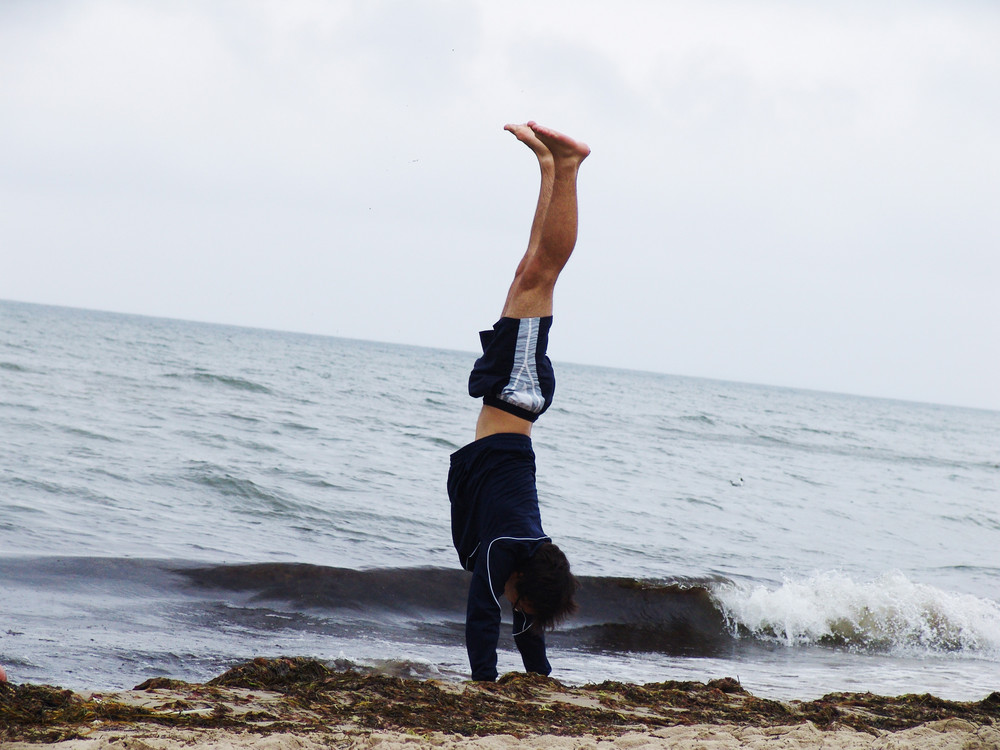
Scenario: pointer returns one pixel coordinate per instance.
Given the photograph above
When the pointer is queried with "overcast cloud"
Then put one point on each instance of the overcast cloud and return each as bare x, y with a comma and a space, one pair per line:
790, 193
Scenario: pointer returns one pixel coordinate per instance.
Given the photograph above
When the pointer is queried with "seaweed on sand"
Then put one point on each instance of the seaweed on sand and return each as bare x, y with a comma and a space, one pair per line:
306, 696
49, 714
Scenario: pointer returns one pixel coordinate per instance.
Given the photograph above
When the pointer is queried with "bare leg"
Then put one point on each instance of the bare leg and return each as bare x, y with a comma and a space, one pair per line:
551, 242
553, 230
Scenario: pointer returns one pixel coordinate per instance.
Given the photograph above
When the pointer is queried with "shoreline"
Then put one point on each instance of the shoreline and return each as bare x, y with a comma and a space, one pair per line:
301, 703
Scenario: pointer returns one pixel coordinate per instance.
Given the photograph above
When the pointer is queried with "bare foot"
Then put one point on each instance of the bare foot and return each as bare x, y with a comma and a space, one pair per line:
563, 147
527, 136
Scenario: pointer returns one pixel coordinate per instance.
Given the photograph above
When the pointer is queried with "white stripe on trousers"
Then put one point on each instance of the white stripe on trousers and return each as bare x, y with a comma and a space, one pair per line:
523, 388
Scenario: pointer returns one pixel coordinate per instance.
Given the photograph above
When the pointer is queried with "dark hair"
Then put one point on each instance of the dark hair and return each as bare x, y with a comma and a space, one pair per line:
547, 584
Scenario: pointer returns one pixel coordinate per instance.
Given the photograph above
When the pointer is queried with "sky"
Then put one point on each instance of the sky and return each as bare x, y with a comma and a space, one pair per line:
782, 192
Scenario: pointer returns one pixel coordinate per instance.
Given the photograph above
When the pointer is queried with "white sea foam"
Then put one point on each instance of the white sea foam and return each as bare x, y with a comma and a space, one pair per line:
890, 613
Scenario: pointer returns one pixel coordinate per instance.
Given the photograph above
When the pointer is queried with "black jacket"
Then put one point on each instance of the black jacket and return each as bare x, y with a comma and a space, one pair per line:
496, 527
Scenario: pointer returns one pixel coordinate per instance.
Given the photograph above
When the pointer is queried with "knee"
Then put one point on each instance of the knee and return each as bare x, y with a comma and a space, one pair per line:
532, 277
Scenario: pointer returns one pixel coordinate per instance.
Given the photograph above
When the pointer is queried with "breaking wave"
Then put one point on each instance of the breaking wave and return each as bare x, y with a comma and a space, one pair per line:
683, 617
887, 614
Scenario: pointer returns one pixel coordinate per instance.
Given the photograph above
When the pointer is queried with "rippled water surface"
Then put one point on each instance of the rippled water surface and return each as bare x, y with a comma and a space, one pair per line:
844, 542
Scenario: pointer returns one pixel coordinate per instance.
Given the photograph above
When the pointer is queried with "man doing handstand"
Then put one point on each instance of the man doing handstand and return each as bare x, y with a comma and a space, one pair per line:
496, 526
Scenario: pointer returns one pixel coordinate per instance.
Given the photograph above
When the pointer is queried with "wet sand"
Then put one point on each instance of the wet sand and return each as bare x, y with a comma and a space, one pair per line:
275, 704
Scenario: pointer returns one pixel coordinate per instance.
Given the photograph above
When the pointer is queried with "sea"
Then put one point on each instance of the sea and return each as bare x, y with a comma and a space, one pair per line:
179, 497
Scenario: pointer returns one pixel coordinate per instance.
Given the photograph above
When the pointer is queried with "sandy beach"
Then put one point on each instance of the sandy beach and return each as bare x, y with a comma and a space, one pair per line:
275, 704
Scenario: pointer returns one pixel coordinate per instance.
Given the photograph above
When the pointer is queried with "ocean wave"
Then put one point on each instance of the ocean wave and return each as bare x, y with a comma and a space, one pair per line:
887, 614
698, 418
299, 427
616, 614
87, 434
258, 499
683, 617
434, 440
225, 380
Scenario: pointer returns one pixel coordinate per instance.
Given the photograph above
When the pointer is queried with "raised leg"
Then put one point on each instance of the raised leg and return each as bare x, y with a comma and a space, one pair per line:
551, 242
554, 227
